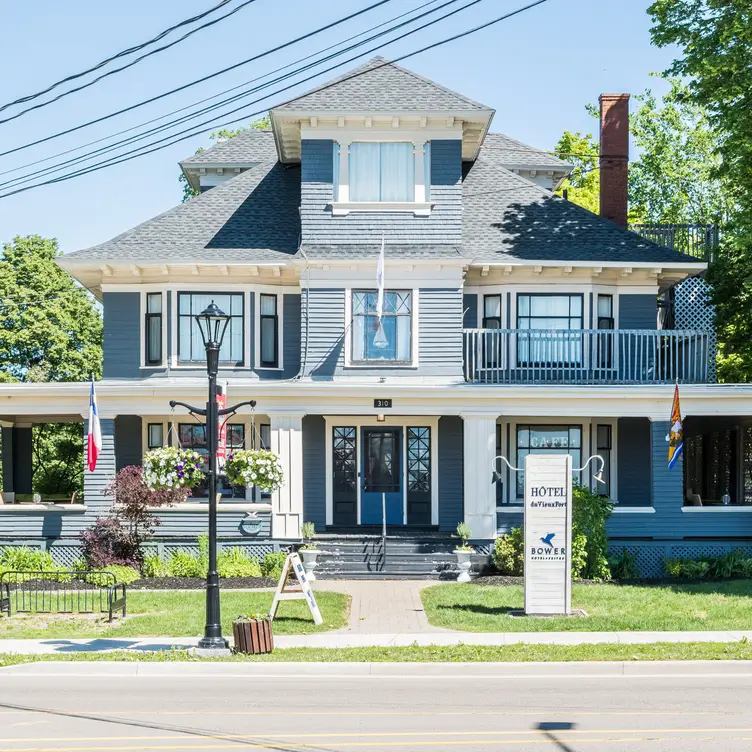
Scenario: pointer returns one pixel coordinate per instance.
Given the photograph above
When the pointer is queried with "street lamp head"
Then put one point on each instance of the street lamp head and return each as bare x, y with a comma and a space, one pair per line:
212, 323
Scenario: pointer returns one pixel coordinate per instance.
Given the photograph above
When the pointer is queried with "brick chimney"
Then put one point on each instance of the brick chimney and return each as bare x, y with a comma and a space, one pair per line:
614, 157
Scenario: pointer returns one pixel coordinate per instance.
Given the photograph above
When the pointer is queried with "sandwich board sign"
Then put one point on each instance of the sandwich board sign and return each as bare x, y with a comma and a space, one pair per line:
304, 592
548, 534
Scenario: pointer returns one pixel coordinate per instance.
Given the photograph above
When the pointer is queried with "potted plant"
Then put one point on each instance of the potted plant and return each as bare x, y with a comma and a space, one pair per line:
254, 467
463, 552
309, 550
253, 634
172, 468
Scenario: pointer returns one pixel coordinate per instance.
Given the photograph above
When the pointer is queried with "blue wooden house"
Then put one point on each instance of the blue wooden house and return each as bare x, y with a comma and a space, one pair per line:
514, 322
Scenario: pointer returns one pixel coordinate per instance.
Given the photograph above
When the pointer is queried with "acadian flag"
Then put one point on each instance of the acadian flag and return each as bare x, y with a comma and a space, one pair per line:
94, 439
676, 436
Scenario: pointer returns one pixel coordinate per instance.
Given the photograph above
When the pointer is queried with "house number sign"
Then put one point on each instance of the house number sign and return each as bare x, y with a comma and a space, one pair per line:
382, 403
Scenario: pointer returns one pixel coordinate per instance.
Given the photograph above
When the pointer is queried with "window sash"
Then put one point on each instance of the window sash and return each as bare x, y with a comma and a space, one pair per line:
532, 439
268, 331
492, 311
396, 327
154, 435
604, 446
153, 330
382, 171
190, 345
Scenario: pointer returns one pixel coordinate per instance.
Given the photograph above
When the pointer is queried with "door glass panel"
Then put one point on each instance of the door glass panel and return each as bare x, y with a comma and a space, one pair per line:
418, 460
382, 462
344, 463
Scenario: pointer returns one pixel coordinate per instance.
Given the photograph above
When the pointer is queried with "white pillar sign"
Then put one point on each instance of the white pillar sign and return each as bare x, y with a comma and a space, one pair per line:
548, 534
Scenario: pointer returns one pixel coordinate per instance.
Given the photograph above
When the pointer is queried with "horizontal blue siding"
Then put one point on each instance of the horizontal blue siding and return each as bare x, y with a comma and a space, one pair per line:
633, 466
121, 335
450, 459
314, 470
638, 312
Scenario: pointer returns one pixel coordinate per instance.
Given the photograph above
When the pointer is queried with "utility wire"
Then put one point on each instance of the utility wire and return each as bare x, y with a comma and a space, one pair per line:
166, 126
130, 155
197, 81
215, 96
128, 65
122, 53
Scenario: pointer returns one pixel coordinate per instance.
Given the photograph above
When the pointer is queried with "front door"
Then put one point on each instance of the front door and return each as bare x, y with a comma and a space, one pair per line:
381, 476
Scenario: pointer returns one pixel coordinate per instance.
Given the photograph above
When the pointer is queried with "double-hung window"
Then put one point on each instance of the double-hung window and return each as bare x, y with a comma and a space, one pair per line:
492, 311
153, 329
387, 340
190, 345
547, 439
154, 435
269, 331
549, 329
383, 172
603, 448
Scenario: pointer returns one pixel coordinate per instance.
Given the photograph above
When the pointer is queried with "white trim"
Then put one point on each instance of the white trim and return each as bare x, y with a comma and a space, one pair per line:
203, 507
382, 132
402, 421
142, 327
418, 208
414, 361
714, 509
511, 509
256, 365
24, 508
633, 510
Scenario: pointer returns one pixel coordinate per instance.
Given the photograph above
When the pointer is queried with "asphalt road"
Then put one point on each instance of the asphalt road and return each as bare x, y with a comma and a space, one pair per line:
219, 707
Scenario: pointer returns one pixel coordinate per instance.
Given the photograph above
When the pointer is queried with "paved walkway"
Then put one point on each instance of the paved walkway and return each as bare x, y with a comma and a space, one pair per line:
383, 606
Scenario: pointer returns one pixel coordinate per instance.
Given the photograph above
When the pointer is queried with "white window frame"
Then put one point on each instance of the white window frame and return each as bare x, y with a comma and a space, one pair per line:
403, 422
257, 293
341, 204
414, 332
143, 293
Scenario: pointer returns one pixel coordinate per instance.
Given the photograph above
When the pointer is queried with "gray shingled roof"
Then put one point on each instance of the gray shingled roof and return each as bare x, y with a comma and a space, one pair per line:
379, 85
248, 148
509, 218
251, 218
513, 153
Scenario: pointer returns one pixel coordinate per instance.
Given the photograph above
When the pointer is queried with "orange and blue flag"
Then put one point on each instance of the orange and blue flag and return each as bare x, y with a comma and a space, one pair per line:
676, 435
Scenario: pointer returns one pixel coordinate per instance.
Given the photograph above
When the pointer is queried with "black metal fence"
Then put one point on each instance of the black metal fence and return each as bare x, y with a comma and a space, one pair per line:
699, 241
62, 592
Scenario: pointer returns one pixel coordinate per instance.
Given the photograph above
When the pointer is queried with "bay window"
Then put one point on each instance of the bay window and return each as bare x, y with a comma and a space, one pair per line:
389, 340
190, 345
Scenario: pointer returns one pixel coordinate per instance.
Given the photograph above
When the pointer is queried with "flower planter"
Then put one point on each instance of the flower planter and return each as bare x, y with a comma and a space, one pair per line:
463, 564
253, 636
310, 562
254, 467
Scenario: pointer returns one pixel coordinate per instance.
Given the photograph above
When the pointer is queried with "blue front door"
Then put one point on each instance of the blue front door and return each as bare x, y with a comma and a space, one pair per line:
381, 474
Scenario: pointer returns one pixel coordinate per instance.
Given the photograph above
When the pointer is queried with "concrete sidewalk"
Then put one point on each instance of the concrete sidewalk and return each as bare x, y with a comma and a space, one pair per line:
339, 640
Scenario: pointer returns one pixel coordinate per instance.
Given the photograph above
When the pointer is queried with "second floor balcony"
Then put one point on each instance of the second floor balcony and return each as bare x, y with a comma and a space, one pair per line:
587, 356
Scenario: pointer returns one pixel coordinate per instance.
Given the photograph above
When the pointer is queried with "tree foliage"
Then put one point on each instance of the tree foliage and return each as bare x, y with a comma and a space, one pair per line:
715, 42
260, 124
583, 184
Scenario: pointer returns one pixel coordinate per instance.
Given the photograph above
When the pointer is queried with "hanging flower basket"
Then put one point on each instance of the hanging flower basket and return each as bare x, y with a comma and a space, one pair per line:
254, 467
170, 467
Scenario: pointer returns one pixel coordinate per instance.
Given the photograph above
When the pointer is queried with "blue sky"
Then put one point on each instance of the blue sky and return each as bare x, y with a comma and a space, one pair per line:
537, 70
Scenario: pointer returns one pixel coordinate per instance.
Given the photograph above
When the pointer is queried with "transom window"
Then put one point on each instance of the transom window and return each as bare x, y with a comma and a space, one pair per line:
392, 339
545, 439
190, 345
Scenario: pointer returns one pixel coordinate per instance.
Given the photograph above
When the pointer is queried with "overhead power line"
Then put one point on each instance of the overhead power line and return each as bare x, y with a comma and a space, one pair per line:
128, 65
122, 53
326, 27
166, 126
213, 96
128, 156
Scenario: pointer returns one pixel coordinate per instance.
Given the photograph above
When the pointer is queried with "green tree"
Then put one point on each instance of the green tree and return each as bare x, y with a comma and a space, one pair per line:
583, 184
260, 124
51, 331
714, 38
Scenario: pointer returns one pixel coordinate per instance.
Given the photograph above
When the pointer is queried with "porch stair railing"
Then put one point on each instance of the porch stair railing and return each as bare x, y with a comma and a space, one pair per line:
586, 356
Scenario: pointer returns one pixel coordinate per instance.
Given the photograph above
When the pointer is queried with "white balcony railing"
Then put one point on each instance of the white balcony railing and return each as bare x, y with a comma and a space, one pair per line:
586, 356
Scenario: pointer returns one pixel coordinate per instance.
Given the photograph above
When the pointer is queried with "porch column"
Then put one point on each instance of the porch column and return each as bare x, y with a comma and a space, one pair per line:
667, 486
479, 443
287, 503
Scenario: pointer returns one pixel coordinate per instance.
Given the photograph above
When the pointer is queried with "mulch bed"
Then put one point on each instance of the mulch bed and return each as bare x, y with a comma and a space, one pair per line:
48, 585
198, 583
498, 579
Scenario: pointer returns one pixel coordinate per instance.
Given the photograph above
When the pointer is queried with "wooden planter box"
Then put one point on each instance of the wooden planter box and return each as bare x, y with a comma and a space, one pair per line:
253, 636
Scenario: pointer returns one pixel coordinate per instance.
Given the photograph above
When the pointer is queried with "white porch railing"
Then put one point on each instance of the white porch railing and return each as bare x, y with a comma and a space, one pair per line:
586, 356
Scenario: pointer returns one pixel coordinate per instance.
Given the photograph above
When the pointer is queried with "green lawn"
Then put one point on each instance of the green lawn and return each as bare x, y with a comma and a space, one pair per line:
688, 651
179, 614
703, 606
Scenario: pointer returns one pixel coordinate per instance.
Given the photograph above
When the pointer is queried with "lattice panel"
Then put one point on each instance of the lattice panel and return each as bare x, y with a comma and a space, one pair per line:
699, 550
693, 310
65, 556
648, 559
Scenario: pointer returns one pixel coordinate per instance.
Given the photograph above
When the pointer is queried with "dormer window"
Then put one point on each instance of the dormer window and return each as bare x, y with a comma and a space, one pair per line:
381, 176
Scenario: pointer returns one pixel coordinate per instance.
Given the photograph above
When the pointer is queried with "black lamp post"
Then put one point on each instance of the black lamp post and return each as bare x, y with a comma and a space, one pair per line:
212, 323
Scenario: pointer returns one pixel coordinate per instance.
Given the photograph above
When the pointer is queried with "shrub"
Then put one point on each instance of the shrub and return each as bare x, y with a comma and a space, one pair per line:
25, 559
107, 542
623, 566
579, 555
589, 515
734, 563
235, 562
509, 553
123, 575
464, 533
272, 564
182, 564
153, 566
